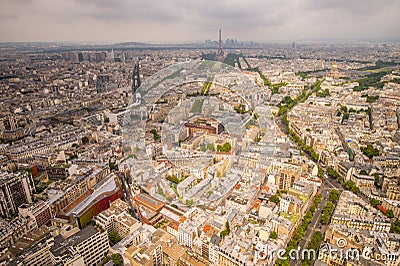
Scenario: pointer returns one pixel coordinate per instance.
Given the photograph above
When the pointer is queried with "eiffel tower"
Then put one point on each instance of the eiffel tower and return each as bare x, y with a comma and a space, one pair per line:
220, 54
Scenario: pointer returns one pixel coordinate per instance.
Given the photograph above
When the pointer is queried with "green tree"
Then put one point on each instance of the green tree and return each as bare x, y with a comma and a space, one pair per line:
320, 172
377, 180
327, 212
332, 173
173, 179
273, 235
370, 151
280, 192
226, 231
363, 172
374, 202
117, 259
224, 148
155, 134
390, 213
112, 165
274, 198
210, 147
189, 202
85, 140
114, 237
323, 93
395, 227
334, 195
286, 100
350, 185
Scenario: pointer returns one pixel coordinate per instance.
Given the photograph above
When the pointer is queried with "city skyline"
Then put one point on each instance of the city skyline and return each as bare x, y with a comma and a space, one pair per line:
199, 133
180, 21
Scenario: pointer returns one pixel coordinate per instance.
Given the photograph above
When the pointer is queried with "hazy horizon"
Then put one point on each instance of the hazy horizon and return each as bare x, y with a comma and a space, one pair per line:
180, 21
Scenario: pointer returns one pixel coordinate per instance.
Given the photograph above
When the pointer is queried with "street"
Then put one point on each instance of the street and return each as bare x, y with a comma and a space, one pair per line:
315, 224
127, 195
326, 186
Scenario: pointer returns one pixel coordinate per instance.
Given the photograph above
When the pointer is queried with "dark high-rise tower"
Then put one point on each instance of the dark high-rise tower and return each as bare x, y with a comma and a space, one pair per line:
220, 52
135, 77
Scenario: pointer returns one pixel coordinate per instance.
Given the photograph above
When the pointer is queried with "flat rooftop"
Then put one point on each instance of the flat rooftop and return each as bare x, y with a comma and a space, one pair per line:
149, 201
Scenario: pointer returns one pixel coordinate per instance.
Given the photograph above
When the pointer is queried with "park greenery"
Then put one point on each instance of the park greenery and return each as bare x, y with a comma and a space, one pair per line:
226, 231
332, 173
377, 182
372, 80
209, 146
323, 94
224, 148
232, 59
210, 56
189, 202
273, 235
274, 198
174, 179
395, 227
114, 237
389, 213
350, 185
197, 106
370, 151
378, 65
206, 87
155, 134
305, 74
288, 103
395, 80
374, 202
240, 109
370, 99
275, 87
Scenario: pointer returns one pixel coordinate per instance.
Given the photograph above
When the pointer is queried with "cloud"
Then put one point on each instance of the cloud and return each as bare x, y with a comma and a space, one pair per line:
196, 20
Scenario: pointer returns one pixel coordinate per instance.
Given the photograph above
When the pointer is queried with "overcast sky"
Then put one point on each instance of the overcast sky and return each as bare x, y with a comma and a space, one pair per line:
196, 20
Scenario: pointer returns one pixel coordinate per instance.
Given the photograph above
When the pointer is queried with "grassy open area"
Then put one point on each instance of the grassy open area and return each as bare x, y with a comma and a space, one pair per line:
197, 106
380, 65
291, 217
372, 80
206, 87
